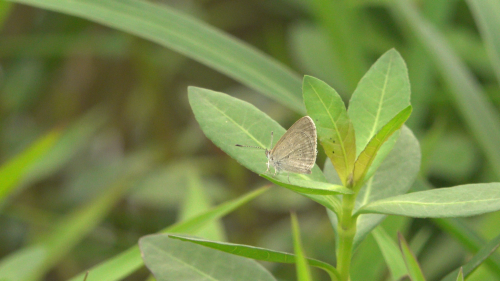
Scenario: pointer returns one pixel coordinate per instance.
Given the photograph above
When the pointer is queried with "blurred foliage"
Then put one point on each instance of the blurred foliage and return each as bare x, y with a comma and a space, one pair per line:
128, 147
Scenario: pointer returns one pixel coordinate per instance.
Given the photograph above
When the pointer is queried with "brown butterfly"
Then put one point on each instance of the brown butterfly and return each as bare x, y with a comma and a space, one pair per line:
295, 151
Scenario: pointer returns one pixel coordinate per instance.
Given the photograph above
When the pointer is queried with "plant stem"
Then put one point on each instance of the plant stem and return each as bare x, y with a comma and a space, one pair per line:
346, 232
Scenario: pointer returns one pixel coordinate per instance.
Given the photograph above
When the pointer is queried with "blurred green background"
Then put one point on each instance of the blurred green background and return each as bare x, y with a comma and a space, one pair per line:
99, 147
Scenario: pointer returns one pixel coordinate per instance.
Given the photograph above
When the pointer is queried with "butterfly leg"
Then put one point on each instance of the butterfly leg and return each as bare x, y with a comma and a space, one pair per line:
267, 166
288, 174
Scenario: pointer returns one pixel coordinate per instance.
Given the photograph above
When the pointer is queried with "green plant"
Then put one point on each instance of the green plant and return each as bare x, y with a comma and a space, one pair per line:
375, 162
60, 190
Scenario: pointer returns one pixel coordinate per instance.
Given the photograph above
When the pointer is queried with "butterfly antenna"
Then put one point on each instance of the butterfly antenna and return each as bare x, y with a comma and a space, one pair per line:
271, 145
239, 145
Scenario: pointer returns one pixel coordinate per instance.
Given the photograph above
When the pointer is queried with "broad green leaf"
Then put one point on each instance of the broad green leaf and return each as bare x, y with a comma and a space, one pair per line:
309, 186
228, 121
366, 157
124, 264
459, 201
14, 171
410, 260
381, 94
459, 229
191, 37
486, 13
301, 265
335, 130
395, 176
477, 260
258, 253
172, 259
471, 101
391, 253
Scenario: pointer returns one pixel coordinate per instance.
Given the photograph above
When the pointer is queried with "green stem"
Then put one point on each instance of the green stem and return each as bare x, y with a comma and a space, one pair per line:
346, 232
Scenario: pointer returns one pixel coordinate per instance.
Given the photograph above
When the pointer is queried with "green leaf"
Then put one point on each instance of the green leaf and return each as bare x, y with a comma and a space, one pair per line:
463, 200
197, 202
258, 253
14, 171
395, 176
309, 186
410, 260
72, 141
460, 276
335, 130
171, 259
69, 231
383, 92
191, 37
228, 121
13, 267
366, 157
471, 101
122, 265
486, 13
391, 253
477, 260
301, 265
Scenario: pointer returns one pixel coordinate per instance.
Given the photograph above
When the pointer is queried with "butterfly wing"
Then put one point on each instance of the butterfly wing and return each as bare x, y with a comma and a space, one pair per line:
296, 149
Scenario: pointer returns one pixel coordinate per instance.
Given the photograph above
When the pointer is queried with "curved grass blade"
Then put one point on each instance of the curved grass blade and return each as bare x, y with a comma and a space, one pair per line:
301, 265
13, 172
124, 264
410, 260
257, 253
391, 253
191, 37
367, 156
477, 260
171, 259
381, 94
486, 13
459, 201
335, 130
228, 121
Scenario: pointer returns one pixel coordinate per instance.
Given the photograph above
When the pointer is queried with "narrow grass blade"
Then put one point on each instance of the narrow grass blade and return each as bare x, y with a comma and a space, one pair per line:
197, 202
460, 276
381, 94
335, 130
486, 13
257, 253
13, 172
122, 265
477, 260
68, 232
367, 156
459, 201
471, 101
391, 253
301, 265
191, 37
171, 259
410, 260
